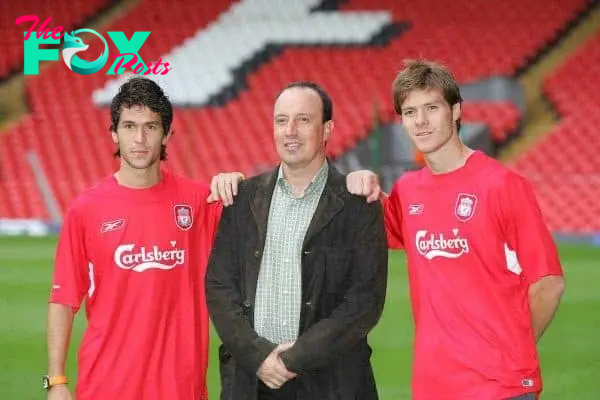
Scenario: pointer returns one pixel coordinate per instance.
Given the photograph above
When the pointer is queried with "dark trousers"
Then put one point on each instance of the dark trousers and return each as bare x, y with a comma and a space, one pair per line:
287, 392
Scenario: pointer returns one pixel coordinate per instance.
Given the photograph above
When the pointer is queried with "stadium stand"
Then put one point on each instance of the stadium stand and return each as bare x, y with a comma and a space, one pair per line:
564, 166
232, 131
69, 14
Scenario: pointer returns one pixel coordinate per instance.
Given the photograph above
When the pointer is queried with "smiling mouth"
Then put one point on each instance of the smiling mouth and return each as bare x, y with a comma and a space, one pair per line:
421, 134
292, 146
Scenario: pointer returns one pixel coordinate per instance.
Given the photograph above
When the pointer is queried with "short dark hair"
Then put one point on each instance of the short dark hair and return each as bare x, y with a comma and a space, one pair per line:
140, 91
325, 99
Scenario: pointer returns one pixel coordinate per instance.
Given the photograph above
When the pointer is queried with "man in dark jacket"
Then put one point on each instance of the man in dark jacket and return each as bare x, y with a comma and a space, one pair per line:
298, 272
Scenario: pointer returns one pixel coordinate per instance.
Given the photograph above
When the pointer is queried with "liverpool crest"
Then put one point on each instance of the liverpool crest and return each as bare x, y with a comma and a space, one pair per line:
465, 206
183, 216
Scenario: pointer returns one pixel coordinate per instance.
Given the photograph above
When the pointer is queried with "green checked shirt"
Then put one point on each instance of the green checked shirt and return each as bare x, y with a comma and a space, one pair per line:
279, 289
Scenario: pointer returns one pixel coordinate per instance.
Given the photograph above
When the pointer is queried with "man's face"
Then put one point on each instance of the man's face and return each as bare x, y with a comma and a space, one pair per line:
429, 120
300, 134
140, 136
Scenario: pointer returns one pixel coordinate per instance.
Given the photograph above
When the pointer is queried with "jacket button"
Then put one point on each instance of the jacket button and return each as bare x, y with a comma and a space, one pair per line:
257, 253
307, 252
247, 304
308, 304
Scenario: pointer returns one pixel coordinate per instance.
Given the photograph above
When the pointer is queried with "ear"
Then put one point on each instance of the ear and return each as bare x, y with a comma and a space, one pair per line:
166, 137
456, 109
115, 137
328, 129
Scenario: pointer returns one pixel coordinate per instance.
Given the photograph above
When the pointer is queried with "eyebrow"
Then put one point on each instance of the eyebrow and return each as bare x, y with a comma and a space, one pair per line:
436, 102
302, 114
144, 123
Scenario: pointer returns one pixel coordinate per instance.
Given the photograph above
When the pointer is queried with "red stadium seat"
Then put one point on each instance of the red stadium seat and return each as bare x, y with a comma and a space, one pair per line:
564, 165
65, 13
476, 39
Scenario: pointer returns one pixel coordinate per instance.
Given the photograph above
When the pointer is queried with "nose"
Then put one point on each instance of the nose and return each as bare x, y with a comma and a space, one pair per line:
421, 118
139, 136
290, 128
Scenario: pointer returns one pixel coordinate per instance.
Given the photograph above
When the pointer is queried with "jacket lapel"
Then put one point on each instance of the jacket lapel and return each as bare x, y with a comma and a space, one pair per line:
329, 204
261, 204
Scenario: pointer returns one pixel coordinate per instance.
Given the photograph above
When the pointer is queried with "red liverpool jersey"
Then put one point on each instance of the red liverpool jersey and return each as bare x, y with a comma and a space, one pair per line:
475, 240
138, 257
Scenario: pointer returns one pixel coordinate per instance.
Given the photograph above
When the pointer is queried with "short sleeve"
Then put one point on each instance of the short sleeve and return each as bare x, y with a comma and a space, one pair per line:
71, 279
210, 213
393, 219
527, 234
214, 212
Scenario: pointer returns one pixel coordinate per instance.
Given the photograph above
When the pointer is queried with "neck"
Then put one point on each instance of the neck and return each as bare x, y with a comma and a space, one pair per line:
449, 157
138, 178
300, 177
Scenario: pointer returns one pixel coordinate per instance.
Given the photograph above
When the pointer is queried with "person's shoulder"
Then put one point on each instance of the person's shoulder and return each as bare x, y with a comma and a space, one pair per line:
407, 180
250, 185
196, 192
499, 175
90, 200
409, 177
260, 179
489, 163
93, 194
189, 187
357, 209
185, 181
353, 203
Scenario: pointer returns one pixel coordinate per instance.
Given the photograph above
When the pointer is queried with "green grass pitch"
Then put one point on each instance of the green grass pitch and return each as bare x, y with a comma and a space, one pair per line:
570, 350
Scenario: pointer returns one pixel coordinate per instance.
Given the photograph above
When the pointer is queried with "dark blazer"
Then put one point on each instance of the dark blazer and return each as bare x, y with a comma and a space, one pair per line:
344, 278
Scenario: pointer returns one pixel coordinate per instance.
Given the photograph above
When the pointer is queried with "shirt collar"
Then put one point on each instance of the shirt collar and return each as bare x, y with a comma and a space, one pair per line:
317, 182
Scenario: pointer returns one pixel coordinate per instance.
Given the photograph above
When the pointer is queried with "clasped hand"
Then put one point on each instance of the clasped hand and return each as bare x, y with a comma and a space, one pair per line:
272, 372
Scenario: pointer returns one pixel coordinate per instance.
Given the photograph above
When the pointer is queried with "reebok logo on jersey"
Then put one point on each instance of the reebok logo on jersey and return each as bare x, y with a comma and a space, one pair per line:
140, 259
110, 226
431, 245
415, 209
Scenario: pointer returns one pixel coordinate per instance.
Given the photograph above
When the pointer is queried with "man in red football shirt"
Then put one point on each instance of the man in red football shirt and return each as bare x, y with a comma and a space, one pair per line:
135, 247
485, 278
